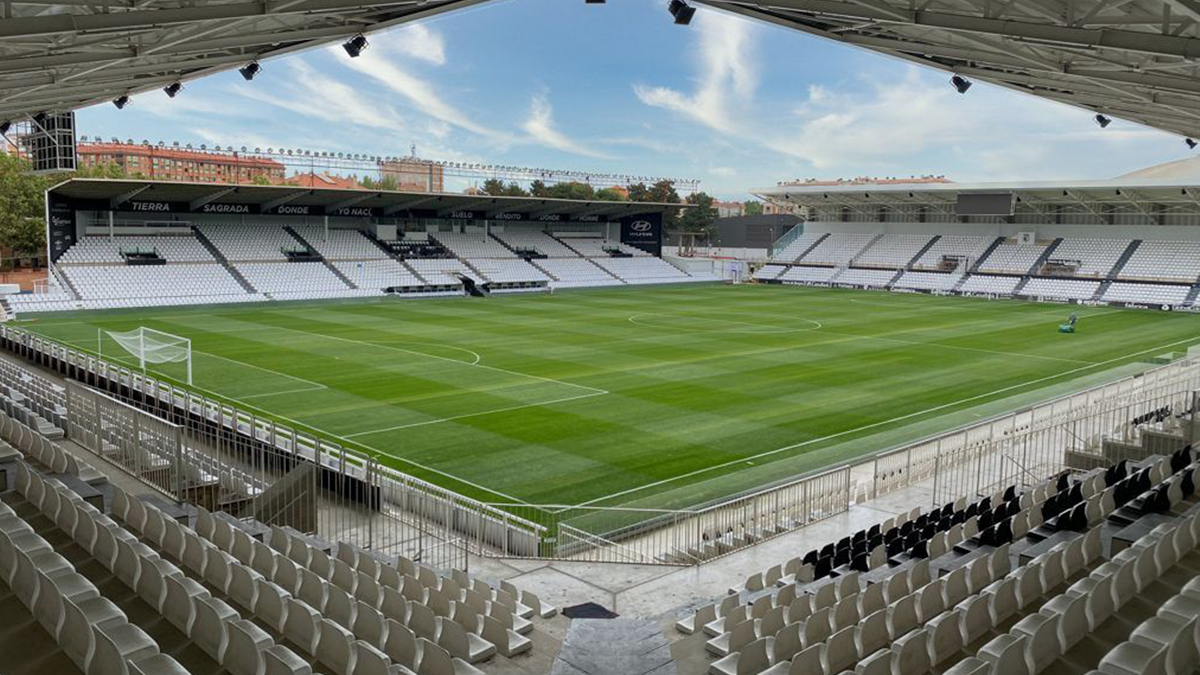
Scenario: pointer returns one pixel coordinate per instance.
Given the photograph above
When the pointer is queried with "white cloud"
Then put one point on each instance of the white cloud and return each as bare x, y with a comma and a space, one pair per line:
309, 93
724, 171
541, 129
727, 73
417, 41
419, 93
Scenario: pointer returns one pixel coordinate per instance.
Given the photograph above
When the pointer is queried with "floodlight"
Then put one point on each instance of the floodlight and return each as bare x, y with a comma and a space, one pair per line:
355, 45
961, 83
173, 89
1102, 120
681, 11
1190, 143
249, 70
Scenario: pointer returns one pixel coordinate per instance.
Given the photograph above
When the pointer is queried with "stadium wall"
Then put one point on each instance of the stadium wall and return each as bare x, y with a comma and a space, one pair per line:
1043, 230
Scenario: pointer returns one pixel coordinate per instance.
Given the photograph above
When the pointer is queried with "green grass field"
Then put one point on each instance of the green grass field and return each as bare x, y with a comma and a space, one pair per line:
660, 397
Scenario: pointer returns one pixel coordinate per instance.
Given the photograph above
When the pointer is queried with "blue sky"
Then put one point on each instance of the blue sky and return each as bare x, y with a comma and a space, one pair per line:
619, 88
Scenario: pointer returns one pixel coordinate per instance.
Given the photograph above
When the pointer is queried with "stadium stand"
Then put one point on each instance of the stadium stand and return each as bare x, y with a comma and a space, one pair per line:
1177, 261
643, 270
982, 283
768, 272
507, 270
1012, 258
297, 278
472, 245
1068, 289
948, 250
108, 582
171, 284
377, 273
838, 249
1157, 294
337, 244
1017, 582
250, 243
534, 241
172, 248
1090, 257
797, 246
892, 250
861, 277
575, 272
598, 247
800, 273
930, 281
442, 271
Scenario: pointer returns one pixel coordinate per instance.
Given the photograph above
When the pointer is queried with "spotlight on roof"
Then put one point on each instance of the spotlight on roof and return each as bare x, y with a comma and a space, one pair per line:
173, 89
249, 70
1102, 120
1190, 143
593, 2
121, 101
961, 83
355, 45
4, 127
681, 11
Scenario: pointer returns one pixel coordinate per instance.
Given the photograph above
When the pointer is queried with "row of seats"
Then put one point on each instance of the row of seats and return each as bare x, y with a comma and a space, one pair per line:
285, 277
797, 246
1094, 257
970, 247
839, 248
1065, 289
507, 270
92, 250
892, 250
1012, 258
575, 272
533, 240
929, 281
182, 280
1177, 261
340, 244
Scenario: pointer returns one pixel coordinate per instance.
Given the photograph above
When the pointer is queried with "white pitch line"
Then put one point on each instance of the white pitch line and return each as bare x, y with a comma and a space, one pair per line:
443, 358
539, 404
315, 385
969, 349
901, 418
285, 391
776, 330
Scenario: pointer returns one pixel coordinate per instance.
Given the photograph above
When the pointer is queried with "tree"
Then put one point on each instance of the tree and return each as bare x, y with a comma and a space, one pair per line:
700, 218
610, 195
22, 207
538, 189
260, 180
752, 207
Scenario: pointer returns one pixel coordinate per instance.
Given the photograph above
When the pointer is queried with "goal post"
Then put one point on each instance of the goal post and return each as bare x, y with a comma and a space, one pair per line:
150, 346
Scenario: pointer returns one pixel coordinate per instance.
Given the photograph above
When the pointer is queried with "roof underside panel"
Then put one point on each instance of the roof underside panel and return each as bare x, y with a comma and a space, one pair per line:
1133, 59
59, 55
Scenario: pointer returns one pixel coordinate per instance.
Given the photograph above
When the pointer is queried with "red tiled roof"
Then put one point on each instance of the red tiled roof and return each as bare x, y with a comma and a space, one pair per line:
115, 149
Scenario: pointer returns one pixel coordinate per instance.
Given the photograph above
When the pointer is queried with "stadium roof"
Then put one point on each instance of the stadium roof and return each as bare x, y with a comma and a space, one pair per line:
59, 55
1134, 59
116, 192
1125, 192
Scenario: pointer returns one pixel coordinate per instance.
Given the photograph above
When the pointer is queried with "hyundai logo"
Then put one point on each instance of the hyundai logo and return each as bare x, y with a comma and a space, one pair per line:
640, 226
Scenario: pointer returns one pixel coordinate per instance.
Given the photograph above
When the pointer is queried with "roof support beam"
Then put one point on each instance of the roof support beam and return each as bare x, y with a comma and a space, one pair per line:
209, 198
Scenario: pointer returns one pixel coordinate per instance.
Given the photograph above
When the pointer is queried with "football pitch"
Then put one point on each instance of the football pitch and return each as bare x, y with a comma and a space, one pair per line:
657, 396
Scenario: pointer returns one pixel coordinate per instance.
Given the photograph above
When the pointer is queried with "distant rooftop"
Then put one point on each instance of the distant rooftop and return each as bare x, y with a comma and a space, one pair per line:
868, 180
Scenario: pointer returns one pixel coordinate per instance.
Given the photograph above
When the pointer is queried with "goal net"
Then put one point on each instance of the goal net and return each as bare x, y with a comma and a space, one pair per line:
151, 346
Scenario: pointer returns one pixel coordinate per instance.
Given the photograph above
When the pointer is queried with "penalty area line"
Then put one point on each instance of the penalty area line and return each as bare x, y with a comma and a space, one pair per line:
477, 414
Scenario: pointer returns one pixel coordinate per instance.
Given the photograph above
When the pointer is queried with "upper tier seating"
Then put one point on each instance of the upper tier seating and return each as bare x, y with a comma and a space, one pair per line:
1154, 294
198, 281
340, 244
250, 242
282, 277
441, 271
597, 247
797, 246
837, 249
932, 281
173, 248
576, 272
643, 270
541, 242
1164, 261
982, 283
964, 246
859, 277
51, 300
1071, 289
472, 245
892, 250
376, 273
1096, 257
1011, 258
507, 270
802, 273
